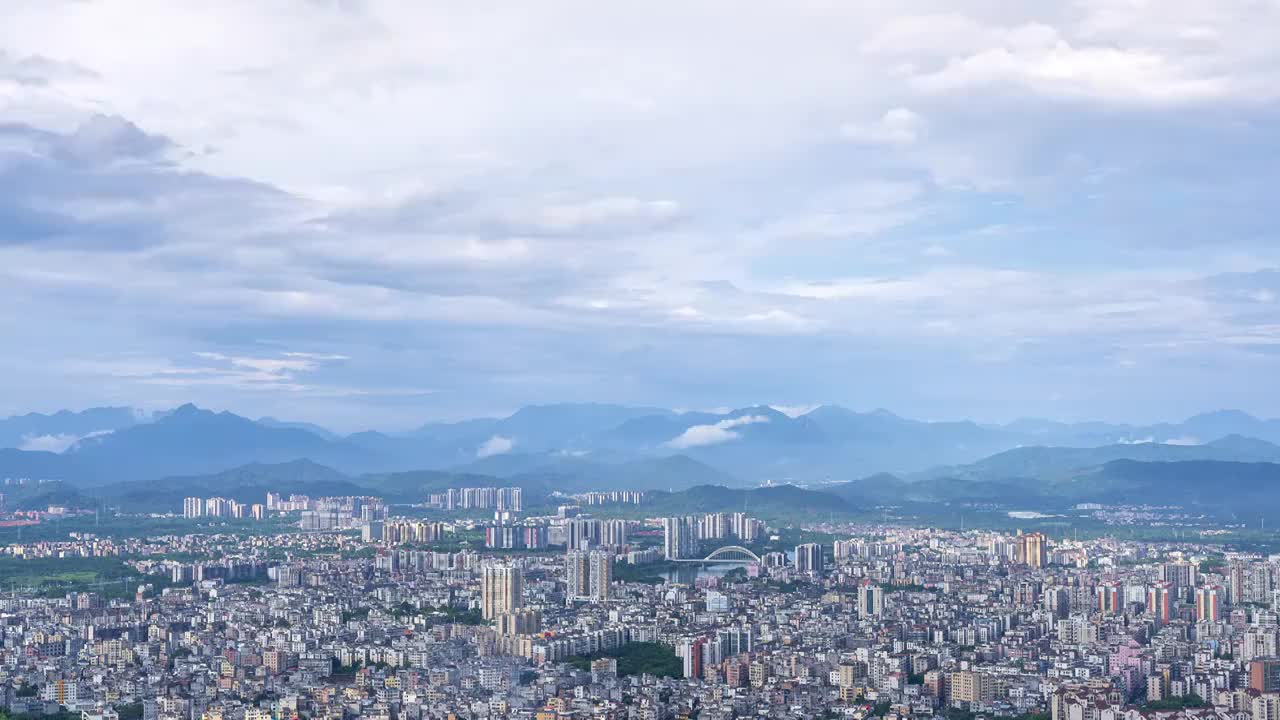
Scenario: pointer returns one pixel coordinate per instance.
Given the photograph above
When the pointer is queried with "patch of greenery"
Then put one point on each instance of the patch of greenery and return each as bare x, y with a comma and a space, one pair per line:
637, 658
650, 574
360, 613
440, 615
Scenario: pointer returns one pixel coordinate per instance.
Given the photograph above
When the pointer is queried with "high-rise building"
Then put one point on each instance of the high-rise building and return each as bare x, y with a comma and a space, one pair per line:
1110, 598
588, 575
535, 537
192, 507
613, 533
1209, 603
745, 528
809, 558
870, 600
217, 507
1264, 675
510, 499
1056, 601
582, 533
1160, 601
519, 622
690, 651
577, 575
679, 538
1178, 574
1235, 582
1033, 549
736, 641
601, 569
502, 590
713, 526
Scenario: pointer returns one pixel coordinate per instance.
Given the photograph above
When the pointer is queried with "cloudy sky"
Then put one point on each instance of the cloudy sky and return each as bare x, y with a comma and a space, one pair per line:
374, 213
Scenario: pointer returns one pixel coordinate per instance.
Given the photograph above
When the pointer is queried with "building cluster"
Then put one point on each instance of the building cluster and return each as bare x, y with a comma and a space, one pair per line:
397, 623
341, 513
478, 498
404, 531
612, 497
684, 537
220, 507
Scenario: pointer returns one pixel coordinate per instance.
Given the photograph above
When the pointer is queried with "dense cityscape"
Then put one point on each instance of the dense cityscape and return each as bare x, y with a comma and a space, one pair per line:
348, 610
692, 360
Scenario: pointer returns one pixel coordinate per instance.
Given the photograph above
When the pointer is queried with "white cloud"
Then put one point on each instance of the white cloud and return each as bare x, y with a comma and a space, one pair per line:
1185, 440
703, 435
496, 445
48, 443
56, 443
794, 411
220, 370
899, 126
613, 212
606, 200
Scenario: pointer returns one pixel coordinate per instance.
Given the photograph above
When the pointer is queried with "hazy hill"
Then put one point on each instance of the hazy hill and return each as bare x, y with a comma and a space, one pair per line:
1053, 463
20, 430
780, 500
248, 484
1249, 489
191, 440
676, 472
589, 445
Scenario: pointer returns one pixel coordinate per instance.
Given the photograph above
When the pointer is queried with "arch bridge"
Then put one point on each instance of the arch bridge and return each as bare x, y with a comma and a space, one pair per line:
728, 554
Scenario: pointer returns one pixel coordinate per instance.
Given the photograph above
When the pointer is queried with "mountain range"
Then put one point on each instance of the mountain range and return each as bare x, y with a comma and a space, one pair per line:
859, 457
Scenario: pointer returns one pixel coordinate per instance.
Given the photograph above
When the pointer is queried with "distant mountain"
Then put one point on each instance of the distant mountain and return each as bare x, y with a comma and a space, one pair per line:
600, 445
830, 442
247, 484
250, 484
1195, 429
775, 501
534, 430
885, 489
39, 496
1045, 464
414, 486
1247, 489
37, 465
309, 427
61, 429
676, 472
190, 441
1213, 486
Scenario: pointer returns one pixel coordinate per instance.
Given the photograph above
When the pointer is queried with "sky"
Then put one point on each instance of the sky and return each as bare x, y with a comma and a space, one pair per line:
372, 213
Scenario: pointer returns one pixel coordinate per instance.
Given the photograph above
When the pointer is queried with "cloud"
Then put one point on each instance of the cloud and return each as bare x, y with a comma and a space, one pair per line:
47, 443
703, 435
279, 372
581, 223
496, 445
795, 411
56, 443
38, 71
1186, 440
898, 126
